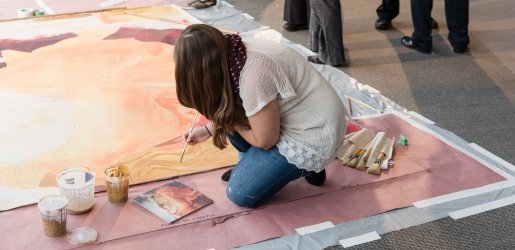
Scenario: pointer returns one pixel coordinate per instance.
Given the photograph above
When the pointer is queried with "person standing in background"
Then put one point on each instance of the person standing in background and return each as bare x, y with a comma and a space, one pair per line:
296, 15
457, 16
325, 33
387, 11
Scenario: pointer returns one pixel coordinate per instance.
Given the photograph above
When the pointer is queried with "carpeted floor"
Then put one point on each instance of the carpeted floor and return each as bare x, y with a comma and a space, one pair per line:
489, 230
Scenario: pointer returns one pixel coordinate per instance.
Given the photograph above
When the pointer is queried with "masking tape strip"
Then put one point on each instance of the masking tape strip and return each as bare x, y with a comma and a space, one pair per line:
454, 145
314, 228
110, 3
45, 7
21, 13
421, 117
360, 239
464, 193
482, 208
248, 16
493, 157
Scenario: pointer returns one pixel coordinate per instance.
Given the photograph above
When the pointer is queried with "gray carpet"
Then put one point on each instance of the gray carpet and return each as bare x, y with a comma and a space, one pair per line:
490, 230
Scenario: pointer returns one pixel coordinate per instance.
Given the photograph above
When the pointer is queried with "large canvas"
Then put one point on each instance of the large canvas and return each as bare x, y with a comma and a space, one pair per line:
92, 90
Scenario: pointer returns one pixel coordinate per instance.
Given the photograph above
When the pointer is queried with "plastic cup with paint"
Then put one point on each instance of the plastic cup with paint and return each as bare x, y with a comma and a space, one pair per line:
77, 184
53, 215
117, 183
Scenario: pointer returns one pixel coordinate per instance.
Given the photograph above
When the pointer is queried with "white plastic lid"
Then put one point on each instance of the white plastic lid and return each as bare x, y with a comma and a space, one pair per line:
75, 177
52, 203
82, 236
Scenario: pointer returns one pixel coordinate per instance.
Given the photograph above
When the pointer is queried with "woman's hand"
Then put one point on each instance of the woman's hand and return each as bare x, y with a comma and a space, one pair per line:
198, 135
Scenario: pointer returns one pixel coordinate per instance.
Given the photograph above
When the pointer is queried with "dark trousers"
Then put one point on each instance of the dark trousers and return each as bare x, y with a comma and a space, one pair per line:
389, 9
296, 11
325, 31
456, 14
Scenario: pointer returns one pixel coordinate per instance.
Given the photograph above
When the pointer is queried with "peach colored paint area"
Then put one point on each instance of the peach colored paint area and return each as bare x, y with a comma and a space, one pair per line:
123, 103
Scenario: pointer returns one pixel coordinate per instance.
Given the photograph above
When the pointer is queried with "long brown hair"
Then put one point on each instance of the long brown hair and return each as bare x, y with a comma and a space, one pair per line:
202, 76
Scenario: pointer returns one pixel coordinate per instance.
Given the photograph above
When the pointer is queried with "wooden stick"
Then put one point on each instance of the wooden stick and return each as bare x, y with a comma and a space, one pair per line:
365, 104
350, 105
186, 144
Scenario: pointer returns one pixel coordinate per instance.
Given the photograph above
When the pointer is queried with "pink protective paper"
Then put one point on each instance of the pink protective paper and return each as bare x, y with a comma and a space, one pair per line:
9, 10
426, 168
61, 7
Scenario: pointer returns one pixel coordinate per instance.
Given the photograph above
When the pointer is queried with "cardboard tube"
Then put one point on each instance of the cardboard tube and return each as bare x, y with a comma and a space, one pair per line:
25, 13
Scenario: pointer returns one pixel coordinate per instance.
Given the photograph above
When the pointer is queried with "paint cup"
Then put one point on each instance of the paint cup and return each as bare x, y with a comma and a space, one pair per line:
77, 184
53, 215
117, 183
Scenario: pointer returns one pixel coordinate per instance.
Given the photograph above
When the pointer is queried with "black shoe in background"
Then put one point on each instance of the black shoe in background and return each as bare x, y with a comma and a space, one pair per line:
383, 23
408, 42
315, 59
434, 24
294, 27
459, 49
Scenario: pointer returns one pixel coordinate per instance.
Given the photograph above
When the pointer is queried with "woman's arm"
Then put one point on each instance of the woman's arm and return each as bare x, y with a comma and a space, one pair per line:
265, 127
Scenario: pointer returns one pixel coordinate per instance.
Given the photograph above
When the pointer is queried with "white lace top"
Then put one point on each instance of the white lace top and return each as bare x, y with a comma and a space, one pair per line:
313, 119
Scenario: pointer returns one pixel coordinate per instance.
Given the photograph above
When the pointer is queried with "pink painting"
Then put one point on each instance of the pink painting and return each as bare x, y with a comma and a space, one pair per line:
91, 91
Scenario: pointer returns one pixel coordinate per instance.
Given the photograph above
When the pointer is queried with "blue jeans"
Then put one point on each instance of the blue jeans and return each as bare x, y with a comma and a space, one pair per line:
259, 174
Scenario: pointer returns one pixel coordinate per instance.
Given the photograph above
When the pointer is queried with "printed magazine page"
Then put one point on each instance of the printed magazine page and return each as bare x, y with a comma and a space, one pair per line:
172, 201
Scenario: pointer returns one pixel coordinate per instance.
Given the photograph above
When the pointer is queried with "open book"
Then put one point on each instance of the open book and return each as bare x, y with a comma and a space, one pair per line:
172, 201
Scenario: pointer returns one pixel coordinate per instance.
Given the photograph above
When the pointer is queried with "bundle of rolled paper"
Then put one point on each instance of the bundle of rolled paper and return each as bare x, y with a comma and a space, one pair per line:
365, 150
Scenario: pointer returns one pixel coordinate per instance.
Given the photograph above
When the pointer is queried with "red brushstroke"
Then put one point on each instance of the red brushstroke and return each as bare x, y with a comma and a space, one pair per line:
29, 45
168, 36
352, 127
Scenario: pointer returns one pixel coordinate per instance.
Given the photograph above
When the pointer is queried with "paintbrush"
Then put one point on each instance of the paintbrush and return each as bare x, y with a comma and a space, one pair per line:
375, 168
346, 161
354, 161
191, 130
362, 162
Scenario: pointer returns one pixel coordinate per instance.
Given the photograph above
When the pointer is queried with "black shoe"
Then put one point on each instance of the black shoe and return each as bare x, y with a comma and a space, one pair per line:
459, 49
383, 23
316, 179
200, 4
434, 24
227, 175
294, 27
315, 59
408, 42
